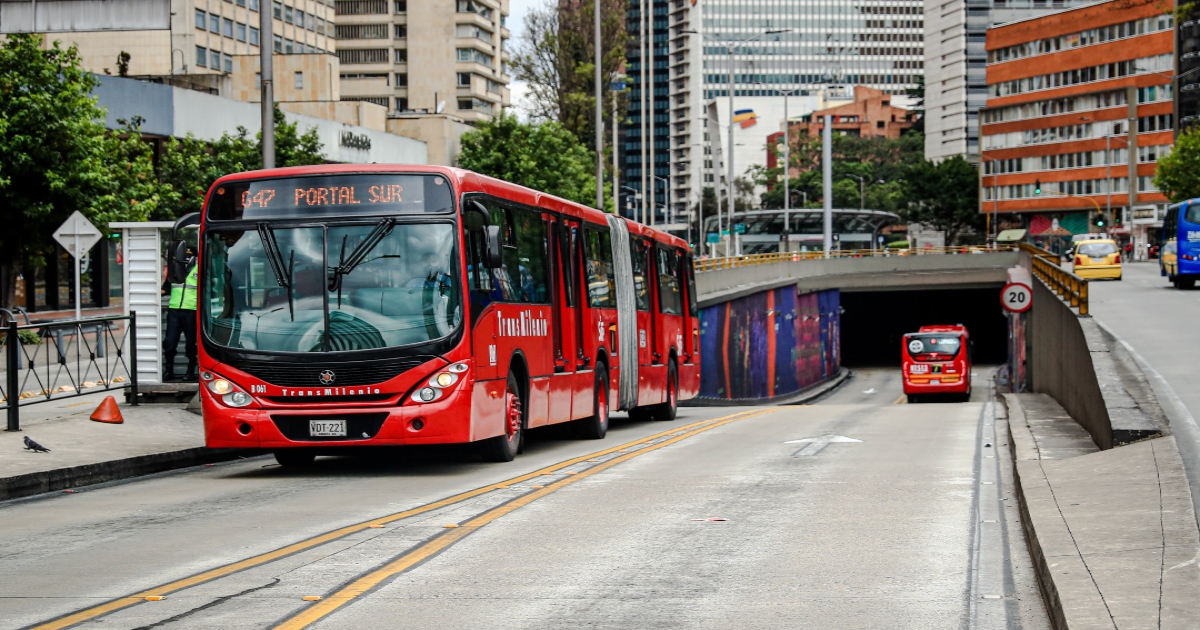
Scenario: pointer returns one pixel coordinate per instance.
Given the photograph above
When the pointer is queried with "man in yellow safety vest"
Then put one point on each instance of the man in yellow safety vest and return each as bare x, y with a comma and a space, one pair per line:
181, 319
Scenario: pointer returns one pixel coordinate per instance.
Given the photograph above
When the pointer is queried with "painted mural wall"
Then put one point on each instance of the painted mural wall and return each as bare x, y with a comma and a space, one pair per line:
770, 344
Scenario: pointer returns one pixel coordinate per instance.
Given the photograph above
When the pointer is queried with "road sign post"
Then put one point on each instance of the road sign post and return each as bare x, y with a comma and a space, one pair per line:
1016, 298
77, 235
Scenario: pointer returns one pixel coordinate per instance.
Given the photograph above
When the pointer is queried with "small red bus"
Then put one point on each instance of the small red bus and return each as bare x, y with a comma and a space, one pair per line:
937, 360
354, 305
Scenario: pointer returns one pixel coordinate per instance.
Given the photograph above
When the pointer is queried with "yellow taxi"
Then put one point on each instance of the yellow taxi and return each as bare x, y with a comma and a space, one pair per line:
1098, 258
1168, 260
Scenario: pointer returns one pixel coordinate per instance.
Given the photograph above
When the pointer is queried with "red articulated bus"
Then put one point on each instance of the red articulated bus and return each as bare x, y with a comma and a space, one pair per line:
353, 306
937, 360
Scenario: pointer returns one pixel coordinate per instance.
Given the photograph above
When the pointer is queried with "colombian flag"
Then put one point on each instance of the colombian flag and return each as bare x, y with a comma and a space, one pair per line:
746, 117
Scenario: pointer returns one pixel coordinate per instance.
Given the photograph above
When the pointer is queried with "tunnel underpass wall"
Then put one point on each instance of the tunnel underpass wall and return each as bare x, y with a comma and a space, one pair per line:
1062, 365
769, 345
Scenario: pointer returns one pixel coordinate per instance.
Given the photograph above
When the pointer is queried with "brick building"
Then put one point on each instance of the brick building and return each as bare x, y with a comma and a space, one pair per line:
1077, 100
870, 115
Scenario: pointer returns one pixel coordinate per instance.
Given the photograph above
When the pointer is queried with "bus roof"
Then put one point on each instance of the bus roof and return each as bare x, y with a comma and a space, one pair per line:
469, 181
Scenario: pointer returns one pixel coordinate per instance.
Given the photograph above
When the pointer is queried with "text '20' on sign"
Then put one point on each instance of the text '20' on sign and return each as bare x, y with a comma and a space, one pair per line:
1016, 298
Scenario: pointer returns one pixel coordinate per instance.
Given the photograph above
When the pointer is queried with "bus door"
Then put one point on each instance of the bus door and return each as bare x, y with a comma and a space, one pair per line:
565, 286
639, 255
691, 322
598, 327
669, 319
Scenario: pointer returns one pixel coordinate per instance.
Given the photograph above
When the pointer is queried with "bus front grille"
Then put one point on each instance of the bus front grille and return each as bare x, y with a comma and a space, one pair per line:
345, 373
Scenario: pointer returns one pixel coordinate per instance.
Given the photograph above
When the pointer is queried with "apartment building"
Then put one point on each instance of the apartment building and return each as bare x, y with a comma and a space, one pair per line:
425, 56
1079, 109
955, 67
802, 47
204, 37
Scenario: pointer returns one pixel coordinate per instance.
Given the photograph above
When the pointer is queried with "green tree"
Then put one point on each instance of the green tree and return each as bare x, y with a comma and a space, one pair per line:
190, 166
56, 155
944, 195
543, 156
1178, 173
128, 189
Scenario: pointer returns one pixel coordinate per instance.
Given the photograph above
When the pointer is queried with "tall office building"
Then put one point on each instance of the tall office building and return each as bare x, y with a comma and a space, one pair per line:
425, 56
876, 43
956, 67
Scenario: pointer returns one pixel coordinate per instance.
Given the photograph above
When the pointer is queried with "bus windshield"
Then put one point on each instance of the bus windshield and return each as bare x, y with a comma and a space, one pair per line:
939, 343
330, 287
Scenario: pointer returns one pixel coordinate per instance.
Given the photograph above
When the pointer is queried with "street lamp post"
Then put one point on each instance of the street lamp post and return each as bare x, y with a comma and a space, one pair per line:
787, 172
599, 114
666, 197
267, 94
729, 159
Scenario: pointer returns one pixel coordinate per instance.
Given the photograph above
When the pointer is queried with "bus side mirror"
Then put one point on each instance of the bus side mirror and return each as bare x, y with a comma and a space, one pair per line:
475, 216
494, 247
177, 265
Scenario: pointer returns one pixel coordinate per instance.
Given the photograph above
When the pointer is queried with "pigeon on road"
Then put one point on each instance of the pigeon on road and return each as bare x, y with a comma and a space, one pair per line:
30, 445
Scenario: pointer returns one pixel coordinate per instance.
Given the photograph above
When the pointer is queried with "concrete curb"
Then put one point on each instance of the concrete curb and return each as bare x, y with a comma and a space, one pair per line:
90, 474
808, 394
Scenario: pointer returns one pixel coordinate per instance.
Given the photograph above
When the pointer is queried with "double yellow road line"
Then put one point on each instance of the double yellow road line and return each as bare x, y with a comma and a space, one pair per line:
421, 552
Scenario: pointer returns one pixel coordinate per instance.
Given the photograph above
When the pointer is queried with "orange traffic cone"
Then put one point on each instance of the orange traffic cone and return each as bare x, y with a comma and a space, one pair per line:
108, 412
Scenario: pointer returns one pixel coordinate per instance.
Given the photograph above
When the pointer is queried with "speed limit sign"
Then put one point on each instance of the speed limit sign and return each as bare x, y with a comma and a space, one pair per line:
1016, 298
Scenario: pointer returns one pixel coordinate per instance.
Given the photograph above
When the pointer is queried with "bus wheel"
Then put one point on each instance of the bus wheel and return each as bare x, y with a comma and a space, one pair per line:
295, 457
504, 448
596, 426
913, 399
667, 410
1185, 283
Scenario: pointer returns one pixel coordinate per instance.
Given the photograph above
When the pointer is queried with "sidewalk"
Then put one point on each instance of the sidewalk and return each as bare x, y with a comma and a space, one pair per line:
1112, 533
154, 438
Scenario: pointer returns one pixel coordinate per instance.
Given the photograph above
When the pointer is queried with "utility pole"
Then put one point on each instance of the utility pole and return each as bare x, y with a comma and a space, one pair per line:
266, 49
827, 179
642, 122
729, 159
650, 100
600, 116
787, 172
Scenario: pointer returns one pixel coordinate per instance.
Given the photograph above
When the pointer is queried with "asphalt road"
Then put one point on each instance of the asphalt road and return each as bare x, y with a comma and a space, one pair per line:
896, 516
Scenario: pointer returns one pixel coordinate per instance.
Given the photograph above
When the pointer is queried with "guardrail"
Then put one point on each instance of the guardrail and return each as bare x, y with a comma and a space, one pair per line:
1070, 288
94, 362
715, 264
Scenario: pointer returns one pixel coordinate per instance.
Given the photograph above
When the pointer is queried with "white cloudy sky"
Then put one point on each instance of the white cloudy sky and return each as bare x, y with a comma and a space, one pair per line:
516, 24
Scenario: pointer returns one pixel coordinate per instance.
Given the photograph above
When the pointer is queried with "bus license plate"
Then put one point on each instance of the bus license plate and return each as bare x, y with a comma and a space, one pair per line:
327, 428
918, 368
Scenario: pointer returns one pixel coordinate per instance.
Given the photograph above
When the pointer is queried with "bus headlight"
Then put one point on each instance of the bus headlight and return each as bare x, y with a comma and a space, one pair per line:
236, 399
443, 380
427, 394
220, 386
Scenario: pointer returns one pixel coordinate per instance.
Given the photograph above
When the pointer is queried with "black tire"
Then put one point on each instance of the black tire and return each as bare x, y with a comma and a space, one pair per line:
666, 411
595, 427
1186, 284
913, 399
295, 457
504, 447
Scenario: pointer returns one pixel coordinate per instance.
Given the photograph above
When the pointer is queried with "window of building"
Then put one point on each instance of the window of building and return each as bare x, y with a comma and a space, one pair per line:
299, 79
258, 80
201, 19
201, 56
477, 56
278, 43
253, 36
289, 46
300, 18
464, 79
278, 10
241, 3
361, 7
241, 32
214, 24
288, 15
227, 28
401, 6
349, 56
253, 5
401, 31
401, 55
228, 63
401, 79
402, 104
214, 59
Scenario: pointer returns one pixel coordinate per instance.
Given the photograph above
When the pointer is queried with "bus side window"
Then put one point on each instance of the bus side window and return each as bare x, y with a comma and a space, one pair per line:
566, 262
668, 282
598, 248
689, 273
479, 278
525, 260
641, 288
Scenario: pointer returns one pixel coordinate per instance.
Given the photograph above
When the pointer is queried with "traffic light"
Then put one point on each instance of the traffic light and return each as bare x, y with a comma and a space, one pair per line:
1037, 186
1099, 220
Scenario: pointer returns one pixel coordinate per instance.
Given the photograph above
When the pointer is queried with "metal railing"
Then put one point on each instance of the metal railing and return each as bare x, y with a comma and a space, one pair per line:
1069, 287
66, 359
715, 264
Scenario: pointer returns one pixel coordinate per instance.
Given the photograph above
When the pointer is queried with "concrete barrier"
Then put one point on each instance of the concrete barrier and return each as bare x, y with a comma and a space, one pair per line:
1072, 362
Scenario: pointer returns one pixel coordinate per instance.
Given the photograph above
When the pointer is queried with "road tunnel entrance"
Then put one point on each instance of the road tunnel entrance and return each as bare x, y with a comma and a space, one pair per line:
873, 322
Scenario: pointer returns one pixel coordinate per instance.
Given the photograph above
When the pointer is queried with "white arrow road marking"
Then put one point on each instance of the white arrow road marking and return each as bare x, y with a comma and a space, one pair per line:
815, 445
870, 391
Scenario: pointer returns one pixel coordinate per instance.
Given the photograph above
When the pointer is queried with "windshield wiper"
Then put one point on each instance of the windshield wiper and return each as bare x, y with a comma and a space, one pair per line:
347, 264
275, 259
